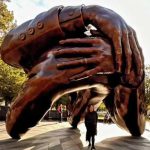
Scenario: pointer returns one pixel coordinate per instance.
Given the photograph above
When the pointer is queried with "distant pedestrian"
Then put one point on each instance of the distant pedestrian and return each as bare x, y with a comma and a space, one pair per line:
60, 111
107, 118
91, 125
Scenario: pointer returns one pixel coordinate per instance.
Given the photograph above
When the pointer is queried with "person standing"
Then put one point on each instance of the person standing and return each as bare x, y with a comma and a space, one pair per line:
60, 112
91, 125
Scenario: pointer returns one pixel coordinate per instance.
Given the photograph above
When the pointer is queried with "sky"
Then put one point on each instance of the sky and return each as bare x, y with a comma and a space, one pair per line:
135, 12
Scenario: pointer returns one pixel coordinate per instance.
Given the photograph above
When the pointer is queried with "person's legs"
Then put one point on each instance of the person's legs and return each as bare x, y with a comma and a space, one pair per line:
60, 117
93, 142
89, 140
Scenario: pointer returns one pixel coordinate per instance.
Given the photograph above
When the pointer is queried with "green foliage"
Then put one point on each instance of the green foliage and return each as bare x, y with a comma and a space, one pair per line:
63, 100
147, 84
6, 20
102, 107
11, 80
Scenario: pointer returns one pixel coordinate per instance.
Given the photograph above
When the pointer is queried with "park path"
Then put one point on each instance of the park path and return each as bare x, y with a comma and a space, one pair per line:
48, 135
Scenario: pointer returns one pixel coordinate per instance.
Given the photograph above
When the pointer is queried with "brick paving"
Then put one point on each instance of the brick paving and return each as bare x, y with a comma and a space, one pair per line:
48, 135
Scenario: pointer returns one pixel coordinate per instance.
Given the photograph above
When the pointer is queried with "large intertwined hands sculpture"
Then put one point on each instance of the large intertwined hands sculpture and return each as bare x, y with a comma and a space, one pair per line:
60, 58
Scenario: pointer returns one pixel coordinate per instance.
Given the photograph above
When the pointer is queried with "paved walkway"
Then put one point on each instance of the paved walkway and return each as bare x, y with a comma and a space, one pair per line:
59, 136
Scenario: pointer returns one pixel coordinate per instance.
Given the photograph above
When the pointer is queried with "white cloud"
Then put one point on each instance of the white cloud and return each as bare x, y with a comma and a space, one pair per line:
135, 12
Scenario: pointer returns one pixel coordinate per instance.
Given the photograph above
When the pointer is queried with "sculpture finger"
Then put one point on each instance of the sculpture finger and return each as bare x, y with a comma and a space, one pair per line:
118, 50
87, 73
64, 52
127, 51
130, 111
139, 47
136, 54
82, 41
83, 62
103, 68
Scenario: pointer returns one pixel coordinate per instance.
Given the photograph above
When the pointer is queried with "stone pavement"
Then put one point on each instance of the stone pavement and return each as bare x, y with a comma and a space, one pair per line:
58, 136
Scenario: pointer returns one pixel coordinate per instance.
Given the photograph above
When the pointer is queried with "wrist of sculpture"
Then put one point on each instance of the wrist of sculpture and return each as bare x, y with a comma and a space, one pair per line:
71, 20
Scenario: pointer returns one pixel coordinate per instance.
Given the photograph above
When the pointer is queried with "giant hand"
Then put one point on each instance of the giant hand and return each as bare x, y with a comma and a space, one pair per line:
127, 52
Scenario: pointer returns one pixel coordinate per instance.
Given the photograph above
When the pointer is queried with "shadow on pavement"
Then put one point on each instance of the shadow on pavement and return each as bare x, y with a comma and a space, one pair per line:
54, 138
124, 143
61, 139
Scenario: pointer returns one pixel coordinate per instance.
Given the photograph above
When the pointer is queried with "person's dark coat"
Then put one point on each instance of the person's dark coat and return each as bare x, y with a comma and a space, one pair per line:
91, 124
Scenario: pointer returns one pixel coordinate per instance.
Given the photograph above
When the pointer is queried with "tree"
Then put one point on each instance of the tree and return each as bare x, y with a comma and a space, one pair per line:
6, 19
147, 84
11, 78
11, 81
63, 100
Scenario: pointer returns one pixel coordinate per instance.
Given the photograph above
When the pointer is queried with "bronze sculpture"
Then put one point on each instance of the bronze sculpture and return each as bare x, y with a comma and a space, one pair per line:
60, 58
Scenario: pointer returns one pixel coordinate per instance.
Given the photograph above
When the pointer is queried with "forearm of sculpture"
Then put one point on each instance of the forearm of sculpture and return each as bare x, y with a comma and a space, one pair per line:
37, 96
24, 44
77, 109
